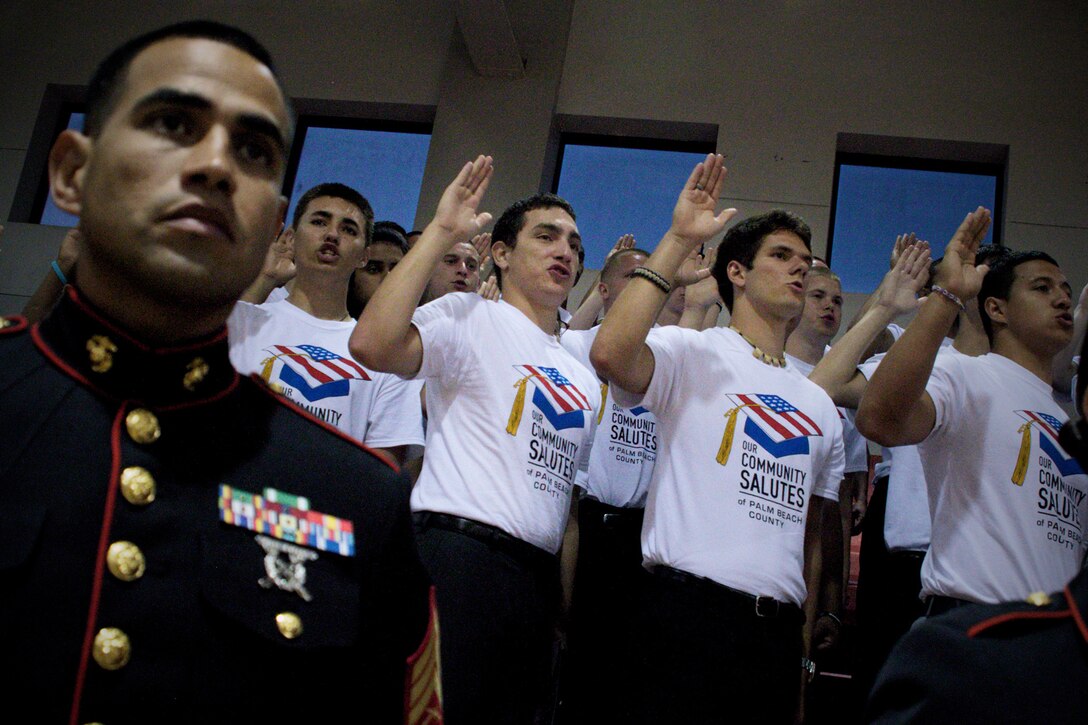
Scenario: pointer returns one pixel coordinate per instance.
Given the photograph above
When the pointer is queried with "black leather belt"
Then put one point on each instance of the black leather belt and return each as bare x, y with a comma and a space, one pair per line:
611, 517
915, 556
938, 604
492, 535
761, 606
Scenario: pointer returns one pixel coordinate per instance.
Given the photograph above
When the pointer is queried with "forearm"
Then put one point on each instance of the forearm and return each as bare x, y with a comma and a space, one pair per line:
258, 292
619, 351
889, 412
385, 326
839, 366
1063, 367
695, 317
586, 314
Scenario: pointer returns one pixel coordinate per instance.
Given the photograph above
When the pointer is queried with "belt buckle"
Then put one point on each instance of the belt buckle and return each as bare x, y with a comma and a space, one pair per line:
766, 606
609, 517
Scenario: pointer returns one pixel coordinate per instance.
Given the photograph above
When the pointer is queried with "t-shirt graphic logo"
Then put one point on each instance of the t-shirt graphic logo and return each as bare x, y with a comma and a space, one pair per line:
558, 399
1048, 443
316, 373
771, 422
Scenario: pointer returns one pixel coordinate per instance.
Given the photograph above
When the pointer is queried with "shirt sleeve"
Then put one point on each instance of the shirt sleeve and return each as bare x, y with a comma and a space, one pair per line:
946, 387
396, 418
857, 448
667, 345
444, 328
829, 473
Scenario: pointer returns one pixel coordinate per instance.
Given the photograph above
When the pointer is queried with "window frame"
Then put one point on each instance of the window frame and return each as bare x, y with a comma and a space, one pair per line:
921, 154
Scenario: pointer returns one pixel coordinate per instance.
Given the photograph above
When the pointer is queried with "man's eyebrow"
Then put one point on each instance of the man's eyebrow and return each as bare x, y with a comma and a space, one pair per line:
252, 122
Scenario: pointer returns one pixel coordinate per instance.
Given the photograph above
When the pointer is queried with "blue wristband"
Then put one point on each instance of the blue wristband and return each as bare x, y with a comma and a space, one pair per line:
56, 270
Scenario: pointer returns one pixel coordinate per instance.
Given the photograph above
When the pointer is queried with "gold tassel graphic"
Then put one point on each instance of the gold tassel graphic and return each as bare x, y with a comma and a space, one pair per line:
519, 404
727, 439
604, 397
266, 370
1021, 469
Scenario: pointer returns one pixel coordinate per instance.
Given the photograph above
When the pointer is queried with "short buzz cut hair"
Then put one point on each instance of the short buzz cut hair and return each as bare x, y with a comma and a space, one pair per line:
612, 266
105, 85
823, 272
998, 281
742, 242
337, 191
513, 219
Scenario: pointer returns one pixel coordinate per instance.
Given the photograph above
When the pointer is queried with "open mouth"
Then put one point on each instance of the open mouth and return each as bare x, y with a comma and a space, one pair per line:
559, 272
460, 285
200, 220
1066, 319
328, 252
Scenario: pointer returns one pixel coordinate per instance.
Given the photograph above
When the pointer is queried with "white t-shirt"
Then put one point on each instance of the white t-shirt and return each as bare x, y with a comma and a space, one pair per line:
1008, 503
624, 448
744, 445
509, 412
308, 359
906, 513
854, 443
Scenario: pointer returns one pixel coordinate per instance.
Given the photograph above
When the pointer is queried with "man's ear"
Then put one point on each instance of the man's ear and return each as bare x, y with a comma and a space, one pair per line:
602, 290
67, 166
499, 250
995, 309
735, 272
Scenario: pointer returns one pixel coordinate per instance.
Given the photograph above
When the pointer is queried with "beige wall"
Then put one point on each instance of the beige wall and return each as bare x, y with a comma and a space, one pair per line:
780, 79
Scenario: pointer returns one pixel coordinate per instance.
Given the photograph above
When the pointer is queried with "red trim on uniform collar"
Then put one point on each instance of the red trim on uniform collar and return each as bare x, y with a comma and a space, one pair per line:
1012, 617
93, 349
87, 308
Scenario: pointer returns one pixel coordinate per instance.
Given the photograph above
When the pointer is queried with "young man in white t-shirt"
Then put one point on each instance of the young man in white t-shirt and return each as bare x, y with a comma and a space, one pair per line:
745, 442
300, 344
805, 347
509, 411
1006, 501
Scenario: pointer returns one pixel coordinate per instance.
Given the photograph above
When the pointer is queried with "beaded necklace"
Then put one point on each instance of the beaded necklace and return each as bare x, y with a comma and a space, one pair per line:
758, 354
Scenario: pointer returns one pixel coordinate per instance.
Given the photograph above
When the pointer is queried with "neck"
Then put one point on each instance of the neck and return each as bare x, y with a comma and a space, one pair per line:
544, 316
808, 348
320, 296
763, 330
157, 319
1037, 362
970, 338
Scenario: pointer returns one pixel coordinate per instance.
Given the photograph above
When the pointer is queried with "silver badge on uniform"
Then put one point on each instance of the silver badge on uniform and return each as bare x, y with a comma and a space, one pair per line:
285, 565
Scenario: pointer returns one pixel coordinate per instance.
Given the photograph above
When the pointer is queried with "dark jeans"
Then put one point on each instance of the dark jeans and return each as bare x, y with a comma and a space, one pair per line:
708, 657
496, 612
598, 681
888, 587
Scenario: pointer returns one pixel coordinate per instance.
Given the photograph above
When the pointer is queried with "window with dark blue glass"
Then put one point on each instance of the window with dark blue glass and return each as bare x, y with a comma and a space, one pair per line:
889, 186
623, 185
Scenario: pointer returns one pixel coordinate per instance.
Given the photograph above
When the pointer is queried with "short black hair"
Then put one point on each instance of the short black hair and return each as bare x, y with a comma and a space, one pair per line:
337, 191
513, 219
387, 232
105, 85
742, 242
998, 281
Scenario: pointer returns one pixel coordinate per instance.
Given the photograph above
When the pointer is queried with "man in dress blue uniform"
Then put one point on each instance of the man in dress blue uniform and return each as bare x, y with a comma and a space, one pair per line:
172, 550
1016, 662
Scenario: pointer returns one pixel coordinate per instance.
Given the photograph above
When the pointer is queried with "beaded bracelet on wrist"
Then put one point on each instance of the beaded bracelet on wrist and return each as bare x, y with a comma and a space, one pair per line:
653, 278
949, 296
